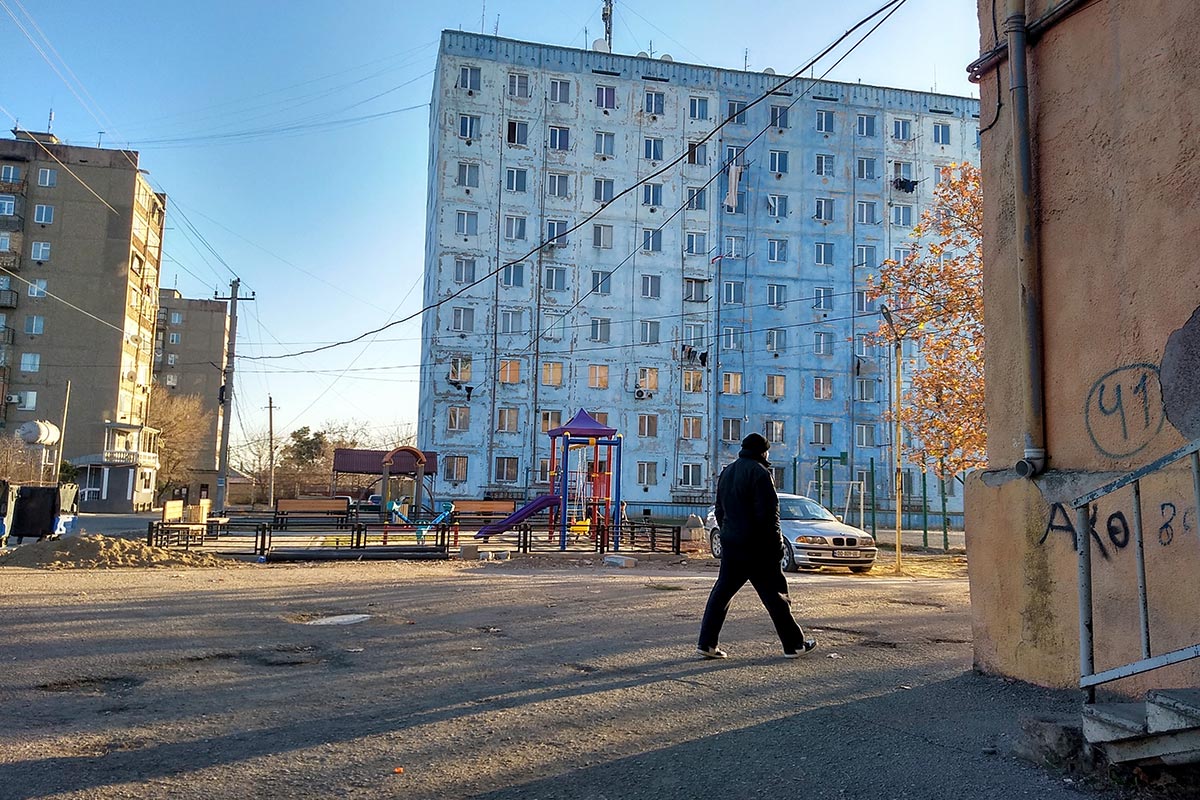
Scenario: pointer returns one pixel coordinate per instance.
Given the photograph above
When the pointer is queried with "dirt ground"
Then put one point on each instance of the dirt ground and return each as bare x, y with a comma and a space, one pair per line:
533, 678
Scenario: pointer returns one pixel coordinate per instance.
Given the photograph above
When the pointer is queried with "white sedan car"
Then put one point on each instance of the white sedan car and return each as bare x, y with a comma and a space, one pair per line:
813, 537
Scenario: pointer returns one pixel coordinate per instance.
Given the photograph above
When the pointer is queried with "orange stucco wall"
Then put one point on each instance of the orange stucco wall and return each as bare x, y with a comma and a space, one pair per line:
1116, 130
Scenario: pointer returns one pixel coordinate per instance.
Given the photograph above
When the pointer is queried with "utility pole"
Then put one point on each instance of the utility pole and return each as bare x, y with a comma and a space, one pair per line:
899, 433
271, 457
226, 395
62, 433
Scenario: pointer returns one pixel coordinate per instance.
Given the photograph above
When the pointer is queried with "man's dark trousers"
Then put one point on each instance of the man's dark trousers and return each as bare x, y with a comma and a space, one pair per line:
766, 576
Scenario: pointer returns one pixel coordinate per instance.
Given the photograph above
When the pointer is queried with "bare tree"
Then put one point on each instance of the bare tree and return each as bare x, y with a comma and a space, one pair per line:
183, 431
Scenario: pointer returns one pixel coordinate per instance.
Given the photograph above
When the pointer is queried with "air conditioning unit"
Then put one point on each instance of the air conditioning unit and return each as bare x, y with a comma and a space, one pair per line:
12, 398
642, 394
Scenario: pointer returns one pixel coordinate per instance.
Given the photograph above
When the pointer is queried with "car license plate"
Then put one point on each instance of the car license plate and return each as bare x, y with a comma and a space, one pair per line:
845, 554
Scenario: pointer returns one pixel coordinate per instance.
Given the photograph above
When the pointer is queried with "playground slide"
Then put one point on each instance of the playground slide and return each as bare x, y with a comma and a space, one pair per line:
540, 503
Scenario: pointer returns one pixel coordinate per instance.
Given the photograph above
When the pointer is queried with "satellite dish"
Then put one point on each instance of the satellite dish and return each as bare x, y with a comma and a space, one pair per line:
643, 54
665, 57
768, 71
601, 46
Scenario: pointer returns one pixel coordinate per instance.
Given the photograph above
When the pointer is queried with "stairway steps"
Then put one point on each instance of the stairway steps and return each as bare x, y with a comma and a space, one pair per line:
1182, 701
1114, 722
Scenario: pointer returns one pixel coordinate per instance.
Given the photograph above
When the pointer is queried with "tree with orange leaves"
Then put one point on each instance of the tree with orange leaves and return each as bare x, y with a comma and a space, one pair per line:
936, 298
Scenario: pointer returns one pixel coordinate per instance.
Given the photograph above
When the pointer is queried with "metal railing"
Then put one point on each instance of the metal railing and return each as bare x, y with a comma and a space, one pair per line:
1089, 679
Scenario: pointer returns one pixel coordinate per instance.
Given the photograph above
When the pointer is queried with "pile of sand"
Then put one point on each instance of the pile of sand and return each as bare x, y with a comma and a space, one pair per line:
103, 552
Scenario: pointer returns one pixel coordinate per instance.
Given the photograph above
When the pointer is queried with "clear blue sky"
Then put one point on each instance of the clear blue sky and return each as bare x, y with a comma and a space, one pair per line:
326, 224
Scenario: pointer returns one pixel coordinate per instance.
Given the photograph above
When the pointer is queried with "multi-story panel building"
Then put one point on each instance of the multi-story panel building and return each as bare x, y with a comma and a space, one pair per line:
80, 245
706, 299
189, 359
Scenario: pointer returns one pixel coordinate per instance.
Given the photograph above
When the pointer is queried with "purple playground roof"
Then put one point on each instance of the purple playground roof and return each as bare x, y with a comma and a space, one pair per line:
583, 424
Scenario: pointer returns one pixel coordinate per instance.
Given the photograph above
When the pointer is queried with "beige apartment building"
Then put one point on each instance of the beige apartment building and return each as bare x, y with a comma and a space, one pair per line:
189, 358
80, 249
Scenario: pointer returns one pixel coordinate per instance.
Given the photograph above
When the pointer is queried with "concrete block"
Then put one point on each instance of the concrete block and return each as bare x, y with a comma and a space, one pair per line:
500, 555
469, 552
621, 562
485, 555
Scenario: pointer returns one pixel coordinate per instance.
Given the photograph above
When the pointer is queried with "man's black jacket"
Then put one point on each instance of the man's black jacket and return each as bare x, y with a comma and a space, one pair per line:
748, 508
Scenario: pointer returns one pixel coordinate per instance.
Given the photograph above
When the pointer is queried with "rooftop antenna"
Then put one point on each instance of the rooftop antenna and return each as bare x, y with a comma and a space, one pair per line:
496, 30
483, 18
99, 137
652, 48
746, 60
607, 16
50, 122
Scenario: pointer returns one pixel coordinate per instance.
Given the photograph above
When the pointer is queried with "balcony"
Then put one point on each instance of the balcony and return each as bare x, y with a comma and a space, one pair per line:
6, 335
129, 458
10, 261
12, 187
12, 222
8, 298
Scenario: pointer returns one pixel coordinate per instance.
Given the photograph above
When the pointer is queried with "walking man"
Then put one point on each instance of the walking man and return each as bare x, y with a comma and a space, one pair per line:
751, 550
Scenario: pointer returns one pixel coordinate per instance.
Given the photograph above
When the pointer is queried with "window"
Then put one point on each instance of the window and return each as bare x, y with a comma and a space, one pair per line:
939, 173
647, 473
697, 153
698, 108
518, 85
458, 418
47, 177
602, 190
518, 132
731, 383
556, 232
10, 173
822, 433
822, 387
506, 419
693, 381
8, 205
776, 340
601, 329
467, 223
652, 194
40, 251
864, 435
606, 97
560, 91
690, 428
43, 214
733, 292
552, 373
468, 174
824, 164
468, 126
777, 161
506, 469
779, 116
455, 468
863, 303
735, 155
172, 338
37, 288
776, 295
651, 240
655, 102
901, 254
773, 431
824, 121
516, 180
605, 143
510, 371
902, 215
824, 209
512, 275
652, 149
462, 320
777, 205
739, 204
694, 290
731, 429
602, 236
776, 250
864, 255
651, 286
732, 337
550, 420
735, 246
560, 137
510, 321
468, 78
696, 198
696, 243
649, 331
647, 424
601, 282
31, 362
693, 334
866, 169
460, 368
902, 169
5, 242
736, 111
823, 298
823, 253
558, 184
35, 324
555, 278
823, 343
775, 386
866, 124
597, 376
864, 346
692, 476
864, 212
901, 129
464, 271
171, 379
514, 228
648, 378
864, 390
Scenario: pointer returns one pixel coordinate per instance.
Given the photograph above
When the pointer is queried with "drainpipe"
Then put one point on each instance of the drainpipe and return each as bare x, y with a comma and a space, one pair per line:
1028, 268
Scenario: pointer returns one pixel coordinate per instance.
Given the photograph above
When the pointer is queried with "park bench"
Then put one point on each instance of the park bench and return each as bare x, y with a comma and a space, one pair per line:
480, 512
312, 513
188, 525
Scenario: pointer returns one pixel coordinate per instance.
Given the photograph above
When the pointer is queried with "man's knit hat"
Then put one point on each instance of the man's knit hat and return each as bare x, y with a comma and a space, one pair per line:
756, 443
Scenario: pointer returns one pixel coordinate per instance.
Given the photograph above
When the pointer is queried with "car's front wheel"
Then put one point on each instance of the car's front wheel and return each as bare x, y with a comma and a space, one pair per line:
788, 561
714, 542
860, 570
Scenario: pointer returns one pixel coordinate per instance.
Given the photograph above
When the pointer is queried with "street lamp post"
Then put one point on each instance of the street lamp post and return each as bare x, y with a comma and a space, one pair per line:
898, 432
